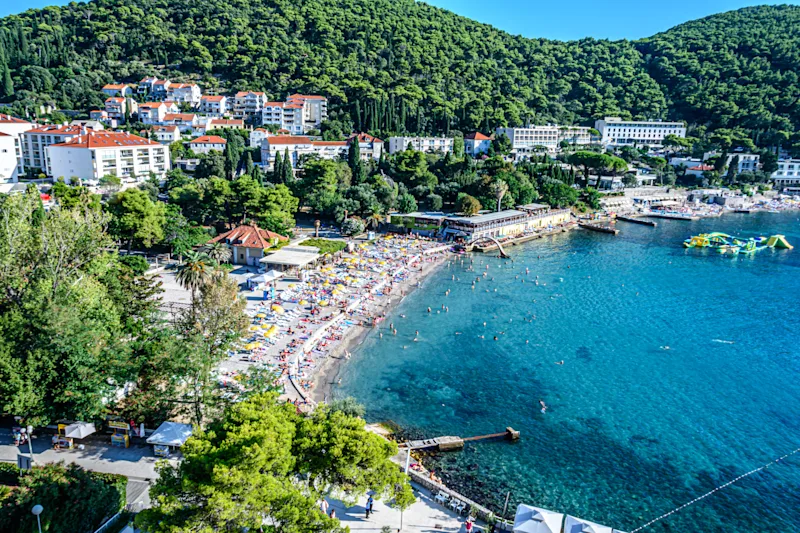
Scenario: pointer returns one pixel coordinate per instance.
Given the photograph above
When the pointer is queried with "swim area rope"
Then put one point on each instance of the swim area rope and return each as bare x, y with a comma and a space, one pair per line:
709, 493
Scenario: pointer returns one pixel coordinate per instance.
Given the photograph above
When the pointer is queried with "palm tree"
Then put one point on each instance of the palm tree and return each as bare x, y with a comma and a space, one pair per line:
499, 189
196, 270
218, 251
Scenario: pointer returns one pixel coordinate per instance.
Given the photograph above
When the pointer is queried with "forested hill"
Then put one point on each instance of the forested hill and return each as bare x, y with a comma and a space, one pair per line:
395, 65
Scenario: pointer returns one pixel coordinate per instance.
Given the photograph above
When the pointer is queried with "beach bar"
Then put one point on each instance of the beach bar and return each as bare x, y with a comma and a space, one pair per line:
291, 258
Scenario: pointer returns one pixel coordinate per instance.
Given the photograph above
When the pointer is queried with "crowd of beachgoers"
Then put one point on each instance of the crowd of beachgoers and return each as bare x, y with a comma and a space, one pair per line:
296, 328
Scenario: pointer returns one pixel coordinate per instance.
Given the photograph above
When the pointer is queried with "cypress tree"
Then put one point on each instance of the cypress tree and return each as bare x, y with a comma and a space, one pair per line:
248, 164
358, 121
355, 163
277, 169
288, 175
7, 84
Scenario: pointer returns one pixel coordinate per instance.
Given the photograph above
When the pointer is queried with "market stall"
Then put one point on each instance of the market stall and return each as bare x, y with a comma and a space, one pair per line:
121, 436
67, 433
168, 437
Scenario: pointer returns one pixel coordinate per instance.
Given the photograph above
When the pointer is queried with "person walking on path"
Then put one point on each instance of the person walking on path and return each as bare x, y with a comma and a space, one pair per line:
371, 504
368, 506
468, 525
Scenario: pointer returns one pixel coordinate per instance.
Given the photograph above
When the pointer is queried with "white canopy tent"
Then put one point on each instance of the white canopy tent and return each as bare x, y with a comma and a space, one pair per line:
577, 525
535, 520
171, 434
269, 277
79, 430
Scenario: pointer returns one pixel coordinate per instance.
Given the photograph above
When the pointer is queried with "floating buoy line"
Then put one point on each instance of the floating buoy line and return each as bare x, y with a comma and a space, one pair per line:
709, 493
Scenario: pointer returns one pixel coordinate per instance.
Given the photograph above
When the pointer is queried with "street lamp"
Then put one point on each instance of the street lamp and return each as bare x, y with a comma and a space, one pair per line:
37, 510
30, 446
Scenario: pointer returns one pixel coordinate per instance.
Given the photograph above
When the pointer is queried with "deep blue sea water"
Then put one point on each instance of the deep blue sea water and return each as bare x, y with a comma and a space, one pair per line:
633, 429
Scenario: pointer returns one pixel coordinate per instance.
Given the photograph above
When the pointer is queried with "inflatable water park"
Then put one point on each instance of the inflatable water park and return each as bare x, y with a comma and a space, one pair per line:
725, 243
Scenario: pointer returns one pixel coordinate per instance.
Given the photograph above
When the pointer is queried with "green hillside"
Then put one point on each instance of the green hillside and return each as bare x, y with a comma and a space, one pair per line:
400, 65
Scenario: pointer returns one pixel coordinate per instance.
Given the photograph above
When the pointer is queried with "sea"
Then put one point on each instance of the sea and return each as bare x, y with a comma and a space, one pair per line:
681, 372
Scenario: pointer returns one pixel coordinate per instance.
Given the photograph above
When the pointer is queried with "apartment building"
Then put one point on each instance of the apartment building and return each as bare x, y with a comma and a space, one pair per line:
186, 122
788, 173
160, 90
153, 113
257, 136
214, 106
36, 141
95, 154
298, 148
15, 127
421, 144
476, 143
116, 107
167, 134
248, 103
8, 159
145, 86
206, 143
530, 138
225, 124
187, 93
369, 147
747, 162
117, 89
575, 135
615, 131
298, 114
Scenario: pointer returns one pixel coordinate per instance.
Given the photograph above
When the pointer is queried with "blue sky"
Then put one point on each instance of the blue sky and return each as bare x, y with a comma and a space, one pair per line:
565, 19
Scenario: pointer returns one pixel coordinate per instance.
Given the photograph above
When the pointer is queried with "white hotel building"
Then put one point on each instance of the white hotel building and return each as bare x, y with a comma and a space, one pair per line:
421, 144
99, 153
615, 131
526, 140
788, 173
299, 147
36, 141
14, 127
298, 114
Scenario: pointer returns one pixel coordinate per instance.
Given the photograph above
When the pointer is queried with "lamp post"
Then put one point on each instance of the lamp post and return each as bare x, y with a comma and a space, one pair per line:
30, 446
37, 510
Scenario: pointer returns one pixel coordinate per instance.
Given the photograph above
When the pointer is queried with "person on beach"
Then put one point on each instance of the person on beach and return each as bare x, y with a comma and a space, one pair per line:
323, 506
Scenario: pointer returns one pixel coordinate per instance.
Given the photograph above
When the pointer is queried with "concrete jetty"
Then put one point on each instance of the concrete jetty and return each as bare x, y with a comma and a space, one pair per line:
636, 220
450, 443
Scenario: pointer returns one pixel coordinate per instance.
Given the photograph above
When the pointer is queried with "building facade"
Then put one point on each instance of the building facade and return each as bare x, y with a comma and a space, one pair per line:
187, 93
298, 114
206, 143
248, 103
15, 127
476, 143
615, 131
531, 138
298, 147
788, 173
117, 89
421, 144
213, 106
36, 141
225, 124
95, 154
167, 134
368, 146
8, 159
248, 243
186, 122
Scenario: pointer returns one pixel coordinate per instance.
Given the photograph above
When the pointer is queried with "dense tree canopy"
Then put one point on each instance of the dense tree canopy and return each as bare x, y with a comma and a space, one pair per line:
398, 65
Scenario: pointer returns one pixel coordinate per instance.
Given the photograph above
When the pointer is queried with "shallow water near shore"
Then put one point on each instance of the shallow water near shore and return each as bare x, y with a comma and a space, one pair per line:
681, 371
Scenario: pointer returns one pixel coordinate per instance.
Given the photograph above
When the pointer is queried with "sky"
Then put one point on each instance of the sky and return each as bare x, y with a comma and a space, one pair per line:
563, 20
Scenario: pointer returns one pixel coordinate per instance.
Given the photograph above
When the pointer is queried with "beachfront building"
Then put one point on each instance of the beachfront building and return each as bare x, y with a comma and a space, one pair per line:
117, 89
615, 131
421, 144
747, 162
206, 143
291, 258
788, 173
531, 138
36, 141
524, 219
95, 154
476, 143
248, 103
248, 243
14, 127
575, 135
298, 148
213, 106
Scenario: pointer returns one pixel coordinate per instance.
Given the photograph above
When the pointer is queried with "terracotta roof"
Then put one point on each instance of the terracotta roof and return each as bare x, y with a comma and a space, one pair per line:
248, 236
116, 87
261, 129
161, 82
288, 139
274, 104
208, 139
4, 134
8, 119
227, 122
365, 138
478, 136
293, 106
306, 97
106, 139
115, 99
180, 116
151, 104
245, 93
329, 143
212, 98
165, 128
283, 131
57, 130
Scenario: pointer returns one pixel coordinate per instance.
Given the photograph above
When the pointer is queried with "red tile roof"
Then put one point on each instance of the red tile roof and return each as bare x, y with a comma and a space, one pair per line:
180, 116
306, 97
329, 143
226, 122
288, 139
56, 129
151, 104
115, 99
245, 93
478, 136
212, 98
165, 128
208, 139
365, 138
248, 236
116, 87
106, 139
8, 119
161, 82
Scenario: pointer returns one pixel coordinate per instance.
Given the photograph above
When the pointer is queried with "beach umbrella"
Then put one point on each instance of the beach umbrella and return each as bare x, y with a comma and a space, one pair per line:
535, 520
79, 430
292, 285
303, 302
261, 315
277, 308
253, 328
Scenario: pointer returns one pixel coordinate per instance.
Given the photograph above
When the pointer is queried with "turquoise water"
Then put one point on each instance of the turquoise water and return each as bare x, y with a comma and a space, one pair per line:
633, 429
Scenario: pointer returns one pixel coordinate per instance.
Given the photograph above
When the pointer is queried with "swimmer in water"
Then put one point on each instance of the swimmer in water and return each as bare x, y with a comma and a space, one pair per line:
402, 316
560, 362
665, 347
481, 337
544, 406
429, 309
495, 337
